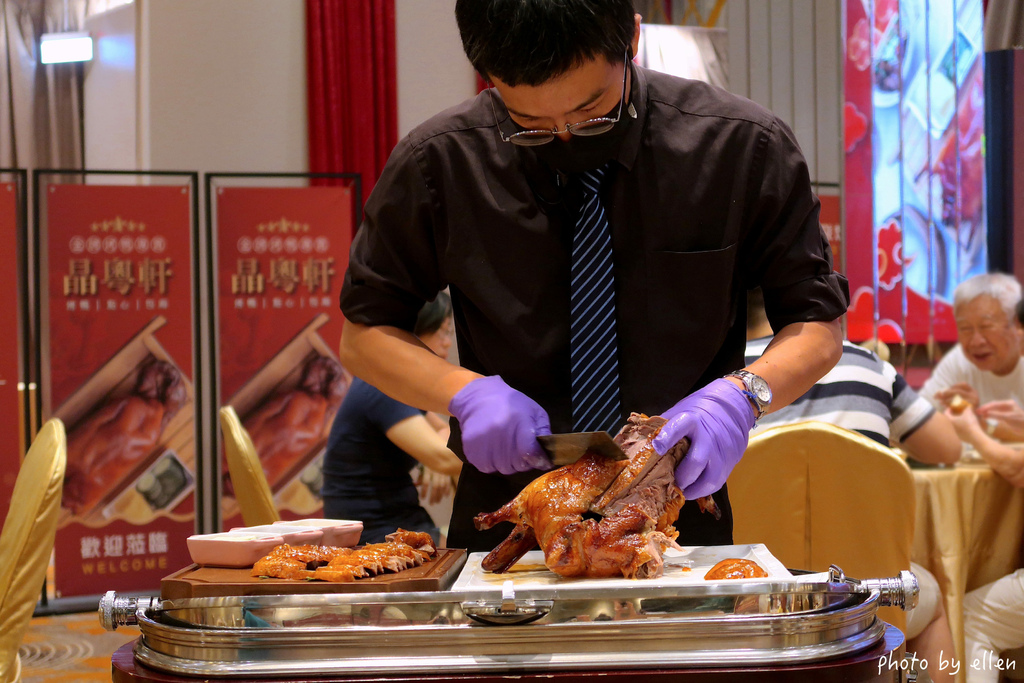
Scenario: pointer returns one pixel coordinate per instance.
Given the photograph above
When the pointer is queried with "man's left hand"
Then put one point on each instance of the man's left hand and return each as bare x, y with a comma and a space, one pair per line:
717, 419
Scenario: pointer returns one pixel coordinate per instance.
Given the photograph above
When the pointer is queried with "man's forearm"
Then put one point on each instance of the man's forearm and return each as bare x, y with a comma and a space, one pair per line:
401, 366
798, 356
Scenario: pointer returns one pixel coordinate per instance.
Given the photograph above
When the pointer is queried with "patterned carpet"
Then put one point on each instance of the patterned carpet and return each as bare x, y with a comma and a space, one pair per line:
70, 648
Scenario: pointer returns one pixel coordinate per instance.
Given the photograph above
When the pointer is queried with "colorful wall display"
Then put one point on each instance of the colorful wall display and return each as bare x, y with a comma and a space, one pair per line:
119, 370
281, 257
914, 168
12, 427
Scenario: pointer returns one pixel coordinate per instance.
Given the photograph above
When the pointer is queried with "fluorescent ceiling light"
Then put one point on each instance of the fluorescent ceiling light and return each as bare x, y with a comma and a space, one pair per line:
65, 47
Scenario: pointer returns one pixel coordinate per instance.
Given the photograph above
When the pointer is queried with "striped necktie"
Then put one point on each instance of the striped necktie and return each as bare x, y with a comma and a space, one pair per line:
593, 346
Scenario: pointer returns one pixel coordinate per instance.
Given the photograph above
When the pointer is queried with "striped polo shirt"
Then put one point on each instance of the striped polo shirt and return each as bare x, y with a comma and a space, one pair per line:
862, 393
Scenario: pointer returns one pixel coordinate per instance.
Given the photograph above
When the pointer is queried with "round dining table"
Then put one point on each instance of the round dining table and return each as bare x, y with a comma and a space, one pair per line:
968, 531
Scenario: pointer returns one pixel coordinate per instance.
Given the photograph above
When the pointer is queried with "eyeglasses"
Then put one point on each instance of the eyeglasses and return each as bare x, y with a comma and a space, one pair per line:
986, 328
542, 136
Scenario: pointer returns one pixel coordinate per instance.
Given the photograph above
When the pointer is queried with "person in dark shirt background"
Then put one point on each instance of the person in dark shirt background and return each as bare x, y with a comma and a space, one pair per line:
376, 441
706, 195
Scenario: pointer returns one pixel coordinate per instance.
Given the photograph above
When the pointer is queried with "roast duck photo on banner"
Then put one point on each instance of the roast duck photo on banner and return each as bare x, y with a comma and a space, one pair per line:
287, 408
130, 438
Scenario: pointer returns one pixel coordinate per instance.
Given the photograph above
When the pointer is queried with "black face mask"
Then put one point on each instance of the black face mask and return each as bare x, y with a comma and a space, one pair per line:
585, 153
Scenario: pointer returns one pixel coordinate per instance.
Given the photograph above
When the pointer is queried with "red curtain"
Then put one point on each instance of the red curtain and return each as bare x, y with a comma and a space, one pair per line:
353, 103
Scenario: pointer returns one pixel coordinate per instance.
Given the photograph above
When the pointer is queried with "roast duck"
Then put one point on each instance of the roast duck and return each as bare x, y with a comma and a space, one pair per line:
111, 442
290, 423
599, 517
401, 550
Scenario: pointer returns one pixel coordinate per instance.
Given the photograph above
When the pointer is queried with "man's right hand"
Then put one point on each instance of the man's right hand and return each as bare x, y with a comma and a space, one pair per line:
961, 389
500, 427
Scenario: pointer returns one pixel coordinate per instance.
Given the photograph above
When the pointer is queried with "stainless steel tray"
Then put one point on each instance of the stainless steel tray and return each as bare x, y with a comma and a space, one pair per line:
722, 624
684, 566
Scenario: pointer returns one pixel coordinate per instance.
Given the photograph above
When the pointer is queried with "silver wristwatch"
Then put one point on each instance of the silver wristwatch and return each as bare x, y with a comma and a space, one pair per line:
757, 390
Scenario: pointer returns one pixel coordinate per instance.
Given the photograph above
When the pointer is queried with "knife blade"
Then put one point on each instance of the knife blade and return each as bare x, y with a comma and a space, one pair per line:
565, 449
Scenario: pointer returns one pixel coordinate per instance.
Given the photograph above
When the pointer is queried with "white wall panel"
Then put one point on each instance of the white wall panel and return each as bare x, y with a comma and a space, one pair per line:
828, 85
433, 71
226, 85
110, 91
785, 55
780, 37
739, 60
805, 106
759, 56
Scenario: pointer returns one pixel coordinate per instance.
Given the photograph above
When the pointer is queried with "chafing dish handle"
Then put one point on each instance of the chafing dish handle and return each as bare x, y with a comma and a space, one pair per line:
117, 611
508, 611
900, 591
495, 613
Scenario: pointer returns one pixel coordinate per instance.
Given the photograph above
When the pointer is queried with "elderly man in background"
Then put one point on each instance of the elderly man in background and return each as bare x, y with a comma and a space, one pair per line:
984, 368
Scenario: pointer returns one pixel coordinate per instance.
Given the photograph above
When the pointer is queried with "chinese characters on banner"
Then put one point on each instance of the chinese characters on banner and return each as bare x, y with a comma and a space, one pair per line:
11, 425
118, 370
281, 257
915, 185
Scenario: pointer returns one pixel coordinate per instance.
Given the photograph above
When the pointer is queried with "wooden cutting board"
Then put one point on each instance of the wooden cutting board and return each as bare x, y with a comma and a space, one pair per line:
209, 582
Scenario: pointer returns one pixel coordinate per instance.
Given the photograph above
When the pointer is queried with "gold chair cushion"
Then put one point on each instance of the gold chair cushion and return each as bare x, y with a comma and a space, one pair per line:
252, 491
27, 539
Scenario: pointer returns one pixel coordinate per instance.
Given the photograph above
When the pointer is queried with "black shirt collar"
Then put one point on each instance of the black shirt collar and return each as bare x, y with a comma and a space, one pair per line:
638, 100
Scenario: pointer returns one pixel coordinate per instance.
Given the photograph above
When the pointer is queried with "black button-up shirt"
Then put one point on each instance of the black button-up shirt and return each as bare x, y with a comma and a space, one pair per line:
710, 197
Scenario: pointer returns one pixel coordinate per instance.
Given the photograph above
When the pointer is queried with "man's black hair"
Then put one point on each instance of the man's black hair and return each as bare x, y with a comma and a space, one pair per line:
529, 42
433, 314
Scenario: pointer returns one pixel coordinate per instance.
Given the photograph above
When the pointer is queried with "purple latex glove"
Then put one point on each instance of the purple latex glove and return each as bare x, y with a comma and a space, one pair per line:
717, 419
500, 427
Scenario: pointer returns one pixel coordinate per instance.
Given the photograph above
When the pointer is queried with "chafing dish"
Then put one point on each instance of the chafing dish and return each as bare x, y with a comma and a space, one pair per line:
739, 623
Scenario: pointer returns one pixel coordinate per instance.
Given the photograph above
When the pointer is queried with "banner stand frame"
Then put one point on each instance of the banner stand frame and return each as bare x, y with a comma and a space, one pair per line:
213, 517
80, 603
27, 428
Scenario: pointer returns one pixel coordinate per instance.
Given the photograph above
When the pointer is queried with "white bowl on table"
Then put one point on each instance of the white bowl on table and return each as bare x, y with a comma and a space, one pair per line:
231, 548
341, 533
292, 535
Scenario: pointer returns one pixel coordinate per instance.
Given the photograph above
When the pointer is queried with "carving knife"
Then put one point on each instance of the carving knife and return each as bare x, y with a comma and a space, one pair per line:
565, 449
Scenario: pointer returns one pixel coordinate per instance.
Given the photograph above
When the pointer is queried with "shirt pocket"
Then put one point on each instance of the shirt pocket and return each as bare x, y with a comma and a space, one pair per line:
690, 298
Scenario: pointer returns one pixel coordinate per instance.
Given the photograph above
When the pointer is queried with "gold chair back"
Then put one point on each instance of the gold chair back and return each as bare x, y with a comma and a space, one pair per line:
817, 494
250, 482
27, 539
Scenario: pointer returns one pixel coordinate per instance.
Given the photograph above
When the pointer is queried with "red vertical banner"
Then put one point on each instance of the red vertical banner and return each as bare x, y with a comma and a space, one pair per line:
858, 190
281, 257
118, 369
831, 220
11, 437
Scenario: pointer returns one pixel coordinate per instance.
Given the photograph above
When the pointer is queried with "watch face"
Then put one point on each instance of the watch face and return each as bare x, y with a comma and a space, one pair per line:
760, 389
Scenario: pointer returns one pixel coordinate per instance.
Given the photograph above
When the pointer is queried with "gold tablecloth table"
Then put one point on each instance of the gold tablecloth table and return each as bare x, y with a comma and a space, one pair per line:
968, 532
